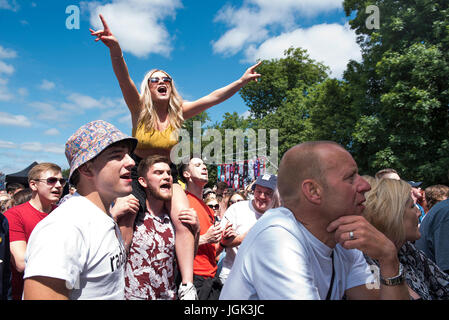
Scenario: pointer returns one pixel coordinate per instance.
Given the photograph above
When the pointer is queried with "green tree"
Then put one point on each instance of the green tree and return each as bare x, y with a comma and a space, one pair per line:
280, 99
296, 71
399, 92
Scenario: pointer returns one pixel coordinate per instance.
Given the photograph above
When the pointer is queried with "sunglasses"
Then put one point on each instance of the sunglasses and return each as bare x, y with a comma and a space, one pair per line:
156, 79
53, 180
213, 206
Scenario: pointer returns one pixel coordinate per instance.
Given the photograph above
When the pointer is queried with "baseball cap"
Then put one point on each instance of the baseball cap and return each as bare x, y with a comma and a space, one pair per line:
267, 181
414, 184
90, 140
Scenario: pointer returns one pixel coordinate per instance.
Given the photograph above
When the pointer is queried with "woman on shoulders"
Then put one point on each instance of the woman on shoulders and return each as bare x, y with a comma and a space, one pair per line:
157, 112
159, 107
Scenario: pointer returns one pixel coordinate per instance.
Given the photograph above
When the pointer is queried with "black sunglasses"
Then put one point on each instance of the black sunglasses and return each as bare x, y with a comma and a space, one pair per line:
212, 206
53, 180
156, 79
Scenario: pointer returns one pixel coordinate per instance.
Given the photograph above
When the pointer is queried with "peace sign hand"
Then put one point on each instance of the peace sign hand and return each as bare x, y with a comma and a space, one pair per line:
105, 35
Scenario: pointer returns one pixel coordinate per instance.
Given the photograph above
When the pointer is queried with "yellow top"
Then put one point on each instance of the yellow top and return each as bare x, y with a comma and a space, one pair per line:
155, 139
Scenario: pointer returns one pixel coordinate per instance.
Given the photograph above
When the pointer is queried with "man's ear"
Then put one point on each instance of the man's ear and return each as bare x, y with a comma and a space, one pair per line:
186, 175
142, 182
86, 169
33, 185
312, 191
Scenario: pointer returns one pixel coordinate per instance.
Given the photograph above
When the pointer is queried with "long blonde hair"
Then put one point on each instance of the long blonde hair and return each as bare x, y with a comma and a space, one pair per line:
148, 116
385, 207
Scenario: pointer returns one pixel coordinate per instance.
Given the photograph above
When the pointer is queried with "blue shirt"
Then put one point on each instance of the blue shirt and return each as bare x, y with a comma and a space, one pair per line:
434, 229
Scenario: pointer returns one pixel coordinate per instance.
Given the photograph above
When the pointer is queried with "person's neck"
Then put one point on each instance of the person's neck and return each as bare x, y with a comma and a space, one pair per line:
258, 211
40, 205
94, 196
161, 111
195, 189
155, 206
315, 225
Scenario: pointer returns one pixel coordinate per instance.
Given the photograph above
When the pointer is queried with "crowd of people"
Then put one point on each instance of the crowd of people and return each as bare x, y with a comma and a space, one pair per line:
134, 226
316, 230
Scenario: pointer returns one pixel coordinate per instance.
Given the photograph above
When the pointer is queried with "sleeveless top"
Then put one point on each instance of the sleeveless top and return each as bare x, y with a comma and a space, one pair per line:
155, 139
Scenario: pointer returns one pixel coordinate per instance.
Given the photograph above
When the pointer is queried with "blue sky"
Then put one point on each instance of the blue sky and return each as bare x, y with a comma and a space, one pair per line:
54, 79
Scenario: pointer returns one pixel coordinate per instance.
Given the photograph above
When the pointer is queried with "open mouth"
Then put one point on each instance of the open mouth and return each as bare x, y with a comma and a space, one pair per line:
126, 176
165, 187
162, 89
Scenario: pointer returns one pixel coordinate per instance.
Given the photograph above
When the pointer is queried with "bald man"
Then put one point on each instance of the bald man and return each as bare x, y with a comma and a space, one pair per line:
311, 248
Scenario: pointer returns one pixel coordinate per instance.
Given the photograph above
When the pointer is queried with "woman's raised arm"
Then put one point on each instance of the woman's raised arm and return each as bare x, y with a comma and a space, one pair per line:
192, 108
129, 90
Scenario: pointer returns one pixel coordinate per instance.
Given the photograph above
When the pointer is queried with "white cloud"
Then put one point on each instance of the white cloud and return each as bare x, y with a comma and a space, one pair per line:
39, 147
23, 91
137, 24
7, 145
83, 101
246, 114
264, 29
332, 44
6, 68
52, 132
47, 112
76, 104
14, 120
47, 85
256, 20
6, 53
9, 5
5, 94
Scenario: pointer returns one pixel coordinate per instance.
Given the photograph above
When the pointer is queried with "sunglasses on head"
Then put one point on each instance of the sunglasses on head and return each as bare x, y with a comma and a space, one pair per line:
157, 79
53, 180
213, 206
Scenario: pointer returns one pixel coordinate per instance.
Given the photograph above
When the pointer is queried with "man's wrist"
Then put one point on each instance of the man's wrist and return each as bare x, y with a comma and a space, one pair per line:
395, 280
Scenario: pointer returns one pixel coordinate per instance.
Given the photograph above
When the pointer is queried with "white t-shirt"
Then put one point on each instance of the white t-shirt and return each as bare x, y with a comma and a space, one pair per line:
243, 216
280, 259
79, 243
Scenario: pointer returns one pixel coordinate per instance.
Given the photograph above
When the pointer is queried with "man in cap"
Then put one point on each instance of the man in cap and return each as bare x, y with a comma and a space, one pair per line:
77, 252
243, 215
309, 247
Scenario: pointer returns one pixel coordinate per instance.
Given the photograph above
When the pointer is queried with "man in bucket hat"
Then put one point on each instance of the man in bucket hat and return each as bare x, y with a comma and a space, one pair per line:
77, 252
243, 215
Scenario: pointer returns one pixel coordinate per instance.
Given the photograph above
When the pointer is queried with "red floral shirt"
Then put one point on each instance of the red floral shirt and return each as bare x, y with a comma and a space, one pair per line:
149, 271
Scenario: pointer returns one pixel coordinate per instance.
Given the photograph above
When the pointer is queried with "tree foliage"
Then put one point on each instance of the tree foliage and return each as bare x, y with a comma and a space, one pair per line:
391, 109
400, 89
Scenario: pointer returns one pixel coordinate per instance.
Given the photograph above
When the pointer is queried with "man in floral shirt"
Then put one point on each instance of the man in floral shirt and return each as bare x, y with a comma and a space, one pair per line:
149, 271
